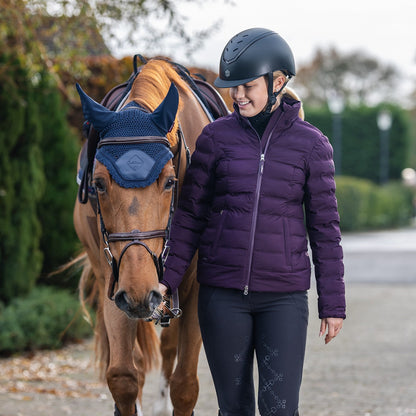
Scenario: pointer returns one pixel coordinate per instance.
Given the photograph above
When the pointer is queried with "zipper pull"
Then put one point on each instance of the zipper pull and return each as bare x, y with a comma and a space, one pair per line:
245, 290
261, 163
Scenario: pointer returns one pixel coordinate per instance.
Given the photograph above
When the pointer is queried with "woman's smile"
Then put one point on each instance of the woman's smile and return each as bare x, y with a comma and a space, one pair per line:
251, 98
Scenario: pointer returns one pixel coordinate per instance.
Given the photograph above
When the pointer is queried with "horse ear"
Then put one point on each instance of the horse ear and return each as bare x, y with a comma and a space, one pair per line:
94, 112
164, 115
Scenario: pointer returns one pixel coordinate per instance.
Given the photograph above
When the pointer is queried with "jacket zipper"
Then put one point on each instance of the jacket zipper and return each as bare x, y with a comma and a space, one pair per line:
256, 208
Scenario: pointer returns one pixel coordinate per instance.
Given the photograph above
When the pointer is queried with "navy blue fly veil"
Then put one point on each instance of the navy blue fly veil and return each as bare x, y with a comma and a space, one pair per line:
134, 148
133, 145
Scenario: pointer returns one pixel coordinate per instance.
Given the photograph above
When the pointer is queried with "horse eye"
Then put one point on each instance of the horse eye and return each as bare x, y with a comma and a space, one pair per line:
99, 185
170, 183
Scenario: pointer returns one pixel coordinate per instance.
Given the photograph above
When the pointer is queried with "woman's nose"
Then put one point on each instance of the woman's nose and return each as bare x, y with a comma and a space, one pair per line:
239, 92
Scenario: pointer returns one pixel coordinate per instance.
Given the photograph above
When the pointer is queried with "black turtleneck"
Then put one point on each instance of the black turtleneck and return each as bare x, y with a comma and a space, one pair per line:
259, 122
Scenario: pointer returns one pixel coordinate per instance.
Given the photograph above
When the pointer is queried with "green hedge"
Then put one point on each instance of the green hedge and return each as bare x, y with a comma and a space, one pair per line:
46, 318
360, 149
22, 179
37, 164
60, 147
366, 206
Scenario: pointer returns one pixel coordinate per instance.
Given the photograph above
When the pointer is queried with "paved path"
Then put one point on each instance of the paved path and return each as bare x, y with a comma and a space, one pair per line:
368, 370
381, 257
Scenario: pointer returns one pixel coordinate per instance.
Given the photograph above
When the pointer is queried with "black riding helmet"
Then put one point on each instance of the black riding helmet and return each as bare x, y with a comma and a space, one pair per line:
251, 54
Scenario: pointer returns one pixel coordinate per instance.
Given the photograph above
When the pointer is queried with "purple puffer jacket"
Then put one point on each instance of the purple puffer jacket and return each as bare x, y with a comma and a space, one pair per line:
242, 206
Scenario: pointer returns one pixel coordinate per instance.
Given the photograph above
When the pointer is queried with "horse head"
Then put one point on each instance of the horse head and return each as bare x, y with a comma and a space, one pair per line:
134, 179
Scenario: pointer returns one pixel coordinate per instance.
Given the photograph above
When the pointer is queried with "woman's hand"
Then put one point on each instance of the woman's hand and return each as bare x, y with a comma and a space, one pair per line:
163, 289
160, 310
333, 325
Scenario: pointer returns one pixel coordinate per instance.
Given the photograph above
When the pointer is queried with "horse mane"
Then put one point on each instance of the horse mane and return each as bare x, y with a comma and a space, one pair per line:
152, 85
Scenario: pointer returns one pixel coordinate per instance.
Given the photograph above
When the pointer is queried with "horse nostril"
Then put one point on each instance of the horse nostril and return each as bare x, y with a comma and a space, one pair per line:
154, 299
121, 300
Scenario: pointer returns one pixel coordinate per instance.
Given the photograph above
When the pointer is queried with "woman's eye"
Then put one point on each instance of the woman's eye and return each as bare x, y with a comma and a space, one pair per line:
99, 185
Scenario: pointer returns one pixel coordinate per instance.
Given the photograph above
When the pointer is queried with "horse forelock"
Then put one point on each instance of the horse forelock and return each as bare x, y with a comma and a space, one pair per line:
151, 87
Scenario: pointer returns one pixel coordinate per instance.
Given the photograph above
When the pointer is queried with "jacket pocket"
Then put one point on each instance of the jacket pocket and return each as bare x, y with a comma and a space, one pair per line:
286, 238
218, 226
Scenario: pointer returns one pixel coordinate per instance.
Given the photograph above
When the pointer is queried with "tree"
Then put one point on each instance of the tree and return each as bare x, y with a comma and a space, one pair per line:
22, 180
32, 127
145, 23
60, 148
359, 78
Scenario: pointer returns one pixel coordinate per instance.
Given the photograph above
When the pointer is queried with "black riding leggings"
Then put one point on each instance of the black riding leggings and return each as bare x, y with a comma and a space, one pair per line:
273, 325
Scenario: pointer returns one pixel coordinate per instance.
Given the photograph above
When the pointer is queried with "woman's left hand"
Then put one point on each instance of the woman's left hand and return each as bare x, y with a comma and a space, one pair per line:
163, 289
333, 325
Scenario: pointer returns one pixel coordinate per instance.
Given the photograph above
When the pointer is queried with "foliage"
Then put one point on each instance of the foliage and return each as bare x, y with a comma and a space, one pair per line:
366, 206
360, 149
22, 179
100, 75
32, 128
60, 148
357, 77
56, 34
146, 23
412, 156
46, 318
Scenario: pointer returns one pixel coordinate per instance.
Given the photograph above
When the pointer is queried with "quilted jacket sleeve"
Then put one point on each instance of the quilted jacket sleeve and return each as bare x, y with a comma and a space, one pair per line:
193, 209
322, 221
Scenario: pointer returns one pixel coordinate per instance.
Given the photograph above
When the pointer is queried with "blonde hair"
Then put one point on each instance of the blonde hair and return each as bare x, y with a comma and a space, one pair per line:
290, 92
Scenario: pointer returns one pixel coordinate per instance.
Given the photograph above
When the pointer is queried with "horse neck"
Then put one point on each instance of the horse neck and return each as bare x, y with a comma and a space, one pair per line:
192, 119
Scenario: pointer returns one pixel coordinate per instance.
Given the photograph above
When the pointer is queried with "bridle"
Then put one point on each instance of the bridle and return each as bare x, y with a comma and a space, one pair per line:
136, 237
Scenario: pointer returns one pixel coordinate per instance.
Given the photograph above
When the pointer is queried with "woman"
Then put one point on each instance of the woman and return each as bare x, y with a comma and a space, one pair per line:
260, 181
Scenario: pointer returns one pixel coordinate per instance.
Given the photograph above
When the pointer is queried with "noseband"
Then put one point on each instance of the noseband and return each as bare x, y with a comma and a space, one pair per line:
136, 237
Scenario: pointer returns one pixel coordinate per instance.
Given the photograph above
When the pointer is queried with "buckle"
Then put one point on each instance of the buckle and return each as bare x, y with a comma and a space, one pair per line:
165, 253
165, 312
108, 255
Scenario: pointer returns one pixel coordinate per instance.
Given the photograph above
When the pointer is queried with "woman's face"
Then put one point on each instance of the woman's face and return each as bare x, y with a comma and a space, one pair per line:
251, 97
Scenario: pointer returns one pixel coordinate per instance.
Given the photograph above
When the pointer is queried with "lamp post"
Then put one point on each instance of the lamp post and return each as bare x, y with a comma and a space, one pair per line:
336, 107
384, 122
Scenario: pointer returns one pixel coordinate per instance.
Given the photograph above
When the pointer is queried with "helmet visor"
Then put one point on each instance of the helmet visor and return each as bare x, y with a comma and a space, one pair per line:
221, 83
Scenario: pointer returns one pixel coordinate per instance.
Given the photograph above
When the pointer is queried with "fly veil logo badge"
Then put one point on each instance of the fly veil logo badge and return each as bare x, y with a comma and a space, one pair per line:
136, 164
136, 161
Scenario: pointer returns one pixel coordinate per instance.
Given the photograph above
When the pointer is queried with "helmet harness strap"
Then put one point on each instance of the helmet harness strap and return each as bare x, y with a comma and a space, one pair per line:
272, 95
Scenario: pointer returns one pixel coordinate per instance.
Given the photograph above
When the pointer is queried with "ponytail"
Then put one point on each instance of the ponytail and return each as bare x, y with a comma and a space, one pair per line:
291, 93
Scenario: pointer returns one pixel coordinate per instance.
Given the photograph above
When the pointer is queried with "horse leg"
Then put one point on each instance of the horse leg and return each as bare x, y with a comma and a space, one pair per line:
168, 349
184, 386
124, 380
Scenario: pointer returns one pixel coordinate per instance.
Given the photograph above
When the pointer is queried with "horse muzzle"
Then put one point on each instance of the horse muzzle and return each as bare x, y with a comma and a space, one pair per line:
138, 310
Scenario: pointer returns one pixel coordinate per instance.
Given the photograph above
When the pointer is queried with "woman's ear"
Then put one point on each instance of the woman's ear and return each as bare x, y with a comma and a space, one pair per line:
279, 82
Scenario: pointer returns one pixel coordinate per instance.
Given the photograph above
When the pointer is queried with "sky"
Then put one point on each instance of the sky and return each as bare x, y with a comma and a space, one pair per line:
383, 29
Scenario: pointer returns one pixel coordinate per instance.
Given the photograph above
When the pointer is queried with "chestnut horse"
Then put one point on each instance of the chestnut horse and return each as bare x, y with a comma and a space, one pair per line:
127, 345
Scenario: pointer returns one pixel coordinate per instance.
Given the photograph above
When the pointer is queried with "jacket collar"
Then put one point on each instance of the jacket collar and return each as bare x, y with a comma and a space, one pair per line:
285, 114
